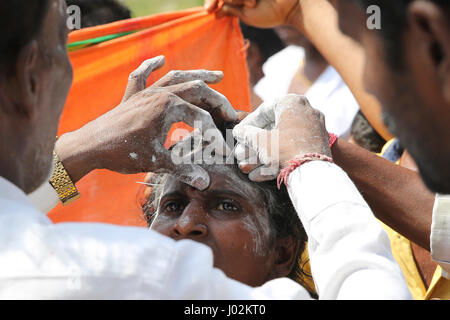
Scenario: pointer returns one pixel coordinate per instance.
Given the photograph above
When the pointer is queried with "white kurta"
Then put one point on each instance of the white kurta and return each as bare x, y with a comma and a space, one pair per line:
329, 93
350, 253
440, 233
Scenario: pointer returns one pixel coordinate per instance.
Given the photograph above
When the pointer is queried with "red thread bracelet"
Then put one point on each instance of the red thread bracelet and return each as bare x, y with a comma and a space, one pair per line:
298, 161
333, 139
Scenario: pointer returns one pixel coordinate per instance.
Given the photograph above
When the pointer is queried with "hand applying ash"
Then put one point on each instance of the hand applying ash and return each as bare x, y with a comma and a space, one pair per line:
130, 138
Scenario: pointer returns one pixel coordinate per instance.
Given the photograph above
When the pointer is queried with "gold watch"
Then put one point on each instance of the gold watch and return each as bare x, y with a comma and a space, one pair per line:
62, 183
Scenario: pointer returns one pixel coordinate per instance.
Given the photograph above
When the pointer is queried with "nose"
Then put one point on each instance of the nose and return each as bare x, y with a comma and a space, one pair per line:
191, 224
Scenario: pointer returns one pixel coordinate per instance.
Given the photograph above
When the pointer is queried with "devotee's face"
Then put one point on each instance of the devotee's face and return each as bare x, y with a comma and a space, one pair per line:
53, 77
229, 217
412, 96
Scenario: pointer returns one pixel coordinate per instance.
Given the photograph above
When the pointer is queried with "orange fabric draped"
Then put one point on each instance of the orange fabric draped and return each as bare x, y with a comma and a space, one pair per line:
189, 39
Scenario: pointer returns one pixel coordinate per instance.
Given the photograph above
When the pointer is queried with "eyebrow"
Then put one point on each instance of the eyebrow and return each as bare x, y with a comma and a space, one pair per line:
221, 192
214, 193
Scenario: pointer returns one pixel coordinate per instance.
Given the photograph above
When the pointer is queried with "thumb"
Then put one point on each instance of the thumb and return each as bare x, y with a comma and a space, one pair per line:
193, 175
211, 5
230, 10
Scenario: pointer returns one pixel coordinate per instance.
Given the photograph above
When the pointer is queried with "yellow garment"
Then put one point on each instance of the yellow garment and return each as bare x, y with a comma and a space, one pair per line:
439, 287
305, 278
402, 252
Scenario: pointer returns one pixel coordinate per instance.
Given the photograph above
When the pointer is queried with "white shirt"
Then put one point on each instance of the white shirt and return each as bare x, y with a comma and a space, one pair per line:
330, 95
440, 233
349, 252
279, 70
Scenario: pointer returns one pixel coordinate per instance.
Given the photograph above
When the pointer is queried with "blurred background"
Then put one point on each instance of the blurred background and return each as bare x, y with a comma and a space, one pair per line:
146, 7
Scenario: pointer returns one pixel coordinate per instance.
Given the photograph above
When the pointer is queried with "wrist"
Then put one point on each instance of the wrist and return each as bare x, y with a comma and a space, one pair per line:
300, 14
75, 154
324, 150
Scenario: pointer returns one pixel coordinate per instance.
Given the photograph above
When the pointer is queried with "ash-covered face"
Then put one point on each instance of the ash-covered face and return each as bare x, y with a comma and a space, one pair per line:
230, 217
412, 93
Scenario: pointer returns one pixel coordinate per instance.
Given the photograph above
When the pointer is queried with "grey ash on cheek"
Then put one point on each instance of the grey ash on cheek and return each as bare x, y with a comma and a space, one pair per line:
259, 228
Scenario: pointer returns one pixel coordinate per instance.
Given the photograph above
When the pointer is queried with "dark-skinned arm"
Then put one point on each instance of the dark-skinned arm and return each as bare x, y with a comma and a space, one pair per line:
318, 21
396, 195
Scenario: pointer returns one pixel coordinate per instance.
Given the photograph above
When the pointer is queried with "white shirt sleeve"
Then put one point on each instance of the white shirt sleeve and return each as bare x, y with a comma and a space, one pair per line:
440, 233
350, 253
95, 261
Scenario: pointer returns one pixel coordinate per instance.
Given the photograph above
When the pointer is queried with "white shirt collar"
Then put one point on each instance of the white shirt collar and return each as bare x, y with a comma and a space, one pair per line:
10, 192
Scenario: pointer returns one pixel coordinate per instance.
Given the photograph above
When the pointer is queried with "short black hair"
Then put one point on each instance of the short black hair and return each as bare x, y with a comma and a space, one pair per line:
98, 12
365, 135
268, 41
21, 21
394, 21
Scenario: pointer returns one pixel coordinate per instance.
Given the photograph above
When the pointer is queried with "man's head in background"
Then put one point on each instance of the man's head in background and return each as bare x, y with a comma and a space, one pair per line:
408, 70
35, 77
264, 43
364, 135
98, 12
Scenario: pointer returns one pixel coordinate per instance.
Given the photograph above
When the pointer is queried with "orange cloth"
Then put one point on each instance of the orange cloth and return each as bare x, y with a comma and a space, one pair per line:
189, 39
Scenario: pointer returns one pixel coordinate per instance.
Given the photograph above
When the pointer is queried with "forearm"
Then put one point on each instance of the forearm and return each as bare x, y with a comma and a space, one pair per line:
396, 195
318, 20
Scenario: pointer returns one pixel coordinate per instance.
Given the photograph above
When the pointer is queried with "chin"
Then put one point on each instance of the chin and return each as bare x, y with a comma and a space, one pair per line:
437, 182
41, 175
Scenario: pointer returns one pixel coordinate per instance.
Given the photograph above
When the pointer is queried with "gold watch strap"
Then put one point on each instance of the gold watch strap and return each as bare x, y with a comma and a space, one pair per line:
62, 183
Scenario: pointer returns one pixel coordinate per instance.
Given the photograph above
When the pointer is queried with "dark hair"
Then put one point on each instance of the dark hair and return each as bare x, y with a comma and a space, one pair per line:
283, 218
97, 12
268, 41
21, 21
365, 135
394, 21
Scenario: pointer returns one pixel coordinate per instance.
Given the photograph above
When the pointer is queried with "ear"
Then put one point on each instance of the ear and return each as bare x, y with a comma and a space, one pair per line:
430, 23
23, 81
286, 250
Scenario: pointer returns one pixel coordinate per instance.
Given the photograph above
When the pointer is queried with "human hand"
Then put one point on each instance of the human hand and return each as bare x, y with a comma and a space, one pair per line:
276, 133
130, 138
258, 13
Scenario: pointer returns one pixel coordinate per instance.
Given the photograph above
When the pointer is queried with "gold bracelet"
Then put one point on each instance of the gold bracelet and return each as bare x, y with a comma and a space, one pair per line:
62, 183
